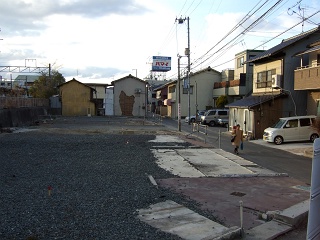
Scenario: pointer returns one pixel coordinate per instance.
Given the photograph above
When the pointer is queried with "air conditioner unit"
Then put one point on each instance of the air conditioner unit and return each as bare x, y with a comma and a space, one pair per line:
276, 81
137, 90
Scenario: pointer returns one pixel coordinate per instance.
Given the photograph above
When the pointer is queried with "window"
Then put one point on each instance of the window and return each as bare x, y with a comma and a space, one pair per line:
292, 123
172, 89
185, 90
264, 79
223, 113
240, 62
304, 122
211, 113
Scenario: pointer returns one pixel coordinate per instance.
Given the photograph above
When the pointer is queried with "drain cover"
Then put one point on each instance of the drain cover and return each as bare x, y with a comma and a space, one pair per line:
238, 194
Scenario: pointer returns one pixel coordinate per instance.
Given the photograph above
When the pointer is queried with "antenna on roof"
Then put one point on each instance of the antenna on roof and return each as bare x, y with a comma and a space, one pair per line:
300, 12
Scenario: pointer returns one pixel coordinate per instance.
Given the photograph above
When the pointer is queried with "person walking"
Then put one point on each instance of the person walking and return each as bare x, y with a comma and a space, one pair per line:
237, 133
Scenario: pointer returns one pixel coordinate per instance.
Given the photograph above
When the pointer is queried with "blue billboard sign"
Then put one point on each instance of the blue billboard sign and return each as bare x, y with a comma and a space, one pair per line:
161, 64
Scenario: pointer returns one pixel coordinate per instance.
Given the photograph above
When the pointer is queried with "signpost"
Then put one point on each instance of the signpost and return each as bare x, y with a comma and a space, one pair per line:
161, 64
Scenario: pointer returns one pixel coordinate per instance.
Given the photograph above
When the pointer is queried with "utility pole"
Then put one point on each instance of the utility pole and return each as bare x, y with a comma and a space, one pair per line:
189, 69
187, 53
179, 96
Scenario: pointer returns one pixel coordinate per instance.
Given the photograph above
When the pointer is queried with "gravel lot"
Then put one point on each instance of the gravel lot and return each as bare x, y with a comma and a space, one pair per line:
98, 180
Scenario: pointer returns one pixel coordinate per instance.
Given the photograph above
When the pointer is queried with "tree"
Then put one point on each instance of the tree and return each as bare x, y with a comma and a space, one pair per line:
222, 101
46, 86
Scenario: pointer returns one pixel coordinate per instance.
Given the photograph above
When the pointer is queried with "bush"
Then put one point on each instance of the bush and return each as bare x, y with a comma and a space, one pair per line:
222, 101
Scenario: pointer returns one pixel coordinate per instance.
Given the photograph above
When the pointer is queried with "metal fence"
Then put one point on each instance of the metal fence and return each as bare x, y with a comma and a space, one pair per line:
19, 102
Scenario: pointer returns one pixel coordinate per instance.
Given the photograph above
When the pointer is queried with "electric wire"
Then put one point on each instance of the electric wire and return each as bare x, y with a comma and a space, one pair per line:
242, 33
244, 19
269, 39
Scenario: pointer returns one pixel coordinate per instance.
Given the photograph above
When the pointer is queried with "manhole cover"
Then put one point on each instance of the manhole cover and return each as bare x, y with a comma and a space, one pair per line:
238, 194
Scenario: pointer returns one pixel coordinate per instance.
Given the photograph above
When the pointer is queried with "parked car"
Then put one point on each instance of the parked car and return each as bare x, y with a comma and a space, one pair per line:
224, 122
193, 118
291, 129
211, 116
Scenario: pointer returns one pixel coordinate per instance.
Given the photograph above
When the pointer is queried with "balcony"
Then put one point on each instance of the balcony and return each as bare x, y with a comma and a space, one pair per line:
225, 84
172, 96
233, 87
307, 78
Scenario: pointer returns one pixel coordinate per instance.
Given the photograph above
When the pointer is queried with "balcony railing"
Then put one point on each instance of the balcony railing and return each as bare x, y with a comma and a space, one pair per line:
307, 78
232, 83
263, 84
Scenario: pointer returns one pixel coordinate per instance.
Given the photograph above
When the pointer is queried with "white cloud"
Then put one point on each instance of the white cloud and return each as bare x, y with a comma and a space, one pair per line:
99, 39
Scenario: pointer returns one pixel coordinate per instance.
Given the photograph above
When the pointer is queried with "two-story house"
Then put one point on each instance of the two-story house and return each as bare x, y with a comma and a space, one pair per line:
100, 97
77, 99
307, 76
200, 96
237, 83
154, 96
273, 94
130, 96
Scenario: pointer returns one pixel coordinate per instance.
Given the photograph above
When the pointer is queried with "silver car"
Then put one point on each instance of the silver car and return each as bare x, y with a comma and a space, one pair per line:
194, 118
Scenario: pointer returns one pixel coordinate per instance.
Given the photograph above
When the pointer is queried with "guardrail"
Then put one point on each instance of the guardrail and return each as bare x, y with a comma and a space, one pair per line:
196, 127
203, 129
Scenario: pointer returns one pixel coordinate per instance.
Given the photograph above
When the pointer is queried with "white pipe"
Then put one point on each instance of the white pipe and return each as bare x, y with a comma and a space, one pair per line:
241, 214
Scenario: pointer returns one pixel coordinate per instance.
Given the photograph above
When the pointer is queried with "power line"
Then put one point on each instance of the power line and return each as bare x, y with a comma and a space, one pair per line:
271, 38
239, 35
287, 30
243, 20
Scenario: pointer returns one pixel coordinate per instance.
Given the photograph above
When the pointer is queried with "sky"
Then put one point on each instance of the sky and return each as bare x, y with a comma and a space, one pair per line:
99, 41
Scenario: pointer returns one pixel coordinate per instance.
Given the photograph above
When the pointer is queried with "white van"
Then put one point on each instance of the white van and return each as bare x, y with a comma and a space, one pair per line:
291, 129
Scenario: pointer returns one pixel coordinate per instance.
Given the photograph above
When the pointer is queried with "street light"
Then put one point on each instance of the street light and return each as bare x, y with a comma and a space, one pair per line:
136, 71
294, 103
187, 53
290, 94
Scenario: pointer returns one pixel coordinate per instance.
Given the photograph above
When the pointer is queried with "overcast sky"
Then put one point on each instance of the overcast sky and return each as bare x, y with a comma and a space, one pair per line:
103, 40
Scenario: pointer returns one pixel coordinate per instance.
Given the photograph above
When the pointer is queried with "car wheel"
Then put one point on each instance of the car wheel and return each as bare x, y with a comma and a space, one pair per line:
212, 123
313, 137
278, 140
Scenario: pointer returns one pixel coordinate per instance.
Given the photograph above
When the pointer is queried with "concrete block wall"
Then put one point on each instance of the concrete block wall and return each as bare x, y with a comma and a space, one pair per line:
19, 117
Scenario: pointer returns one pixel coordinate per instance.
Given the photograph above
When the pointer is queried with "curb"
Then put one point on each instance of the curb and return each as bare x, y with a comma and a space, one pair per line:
282, 222
308, 152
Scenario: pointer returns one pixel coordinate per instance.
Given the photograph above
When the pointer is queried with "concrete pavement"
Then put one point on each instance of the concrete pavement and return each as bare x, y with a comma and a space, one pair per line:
246, 199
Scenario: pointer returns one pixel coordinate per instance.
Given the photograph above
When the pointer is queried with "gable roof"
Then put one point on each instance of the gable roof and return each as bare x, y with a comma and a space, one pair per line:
74, 80
165, 85
310, 50
208, 69
129, 76
276, 50
253, 101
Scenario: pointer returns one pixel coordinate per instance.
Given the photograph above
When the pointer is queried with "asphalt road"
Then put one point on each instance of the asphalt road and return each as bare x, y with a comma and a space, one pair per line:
266, 155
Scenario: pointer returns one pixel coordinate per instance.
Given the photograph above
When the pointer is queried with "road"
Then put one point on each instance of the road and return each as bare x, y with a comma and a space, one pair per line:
264, 154
268, 155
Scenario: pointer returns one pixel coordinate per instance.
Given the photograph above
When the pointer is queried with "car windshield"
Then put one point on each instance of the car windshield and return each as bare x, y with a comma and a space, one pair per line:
279, 124
210, 113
